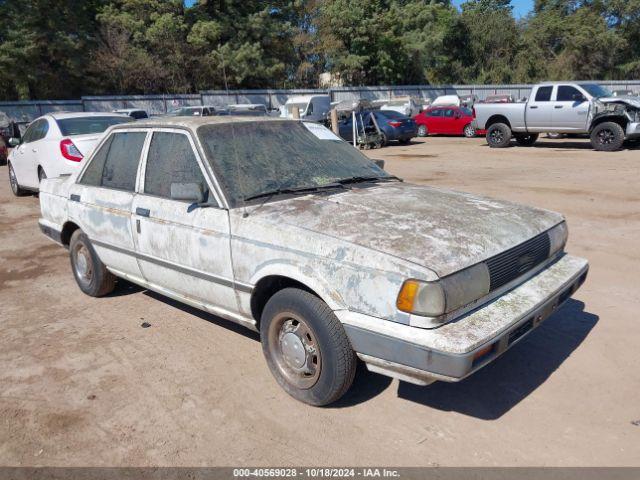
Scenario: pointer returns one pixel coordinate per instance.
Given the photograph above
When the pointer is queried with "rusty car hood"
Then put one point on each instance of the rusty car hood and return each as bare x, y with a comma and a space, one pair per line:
442, 230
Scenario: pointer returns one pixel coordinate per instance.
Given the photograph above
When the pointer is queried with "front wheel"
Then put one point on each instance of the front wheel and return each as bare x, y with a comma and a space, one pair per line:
90, 273
306, 347
527, 140
499, 135
469, 131
607, 137
422, 131
13, 181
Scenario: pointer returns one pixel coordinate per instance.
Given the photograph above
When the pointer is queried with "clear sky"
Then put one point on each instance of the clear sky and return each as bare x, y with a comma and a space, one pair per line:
520, 7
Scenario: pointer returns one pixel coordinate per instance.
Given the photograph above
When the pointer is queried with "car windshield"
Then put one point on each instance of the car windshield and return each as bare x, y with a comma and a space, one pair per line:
253, 158
88, 125
596, 90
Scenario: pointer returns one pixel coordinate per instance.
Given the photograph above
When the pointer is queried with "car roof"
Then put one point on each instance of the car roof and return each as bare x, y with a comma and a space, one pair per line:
64, 115
193, 123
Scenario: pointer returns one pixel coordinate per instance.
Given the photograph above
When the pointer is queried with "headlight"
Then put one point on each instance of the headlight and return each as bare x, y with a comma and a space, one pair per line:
558, 237
434, 299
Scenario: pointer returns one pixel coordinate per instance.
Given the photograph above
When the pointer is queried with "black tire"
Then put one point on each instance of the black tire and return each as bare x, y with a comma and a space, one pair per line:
16, 189
499, 135
3, 152
607, 137
526, 140
90, 273
423, 131
383, 139
468, 131
306, 347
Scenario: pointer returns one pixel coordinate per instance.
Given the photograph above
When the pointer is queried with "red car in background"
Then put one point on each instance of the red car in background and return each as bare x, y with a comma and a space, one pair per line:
447, 120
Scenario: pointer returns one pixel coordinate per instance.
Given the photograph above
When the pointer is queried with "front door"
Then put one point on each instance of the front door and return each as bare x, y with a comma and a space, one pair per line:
101, 200
570, 109
539, 110
182, 247
25, 160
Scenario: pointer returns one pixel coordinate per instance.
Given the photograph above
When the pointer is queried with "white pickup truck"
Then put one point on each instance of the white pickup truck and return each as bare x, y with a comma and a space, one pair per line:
284, 228
562, 107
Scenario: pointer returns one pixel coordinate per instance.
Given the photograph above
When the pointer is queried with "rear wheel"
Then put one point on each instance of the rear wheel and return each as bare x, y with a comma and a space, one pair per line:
607, 137
422, 131
41, 174
499, 135
526, 140
306, 347
383, 139
13, 181
469, 131
90, 273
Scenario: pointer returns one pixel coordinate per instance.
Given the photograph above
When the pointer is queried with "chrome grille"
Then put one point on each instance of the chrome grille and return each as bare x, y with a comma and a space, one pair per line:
518, 260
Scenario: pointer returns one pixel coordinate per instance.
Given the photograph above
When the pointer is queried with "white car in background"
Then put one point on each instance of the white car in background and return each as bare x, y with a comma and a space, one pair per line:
56, 144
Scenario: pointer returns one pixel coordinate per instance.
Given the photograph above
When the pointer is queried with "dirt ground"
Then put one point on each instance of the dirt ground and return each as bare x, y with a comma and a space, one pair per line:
82, 384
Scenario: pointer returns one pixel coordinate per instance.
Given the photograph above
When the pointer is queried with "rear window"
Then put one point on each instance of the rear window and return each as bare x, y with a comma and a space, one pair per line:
392, 114
88, 125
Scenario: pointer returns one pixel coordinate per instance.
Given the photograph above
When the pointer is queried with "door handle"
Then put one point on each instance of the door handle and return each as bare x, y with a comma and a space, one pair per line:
143, 212
34, 150
533, 106
558, 106
74, 197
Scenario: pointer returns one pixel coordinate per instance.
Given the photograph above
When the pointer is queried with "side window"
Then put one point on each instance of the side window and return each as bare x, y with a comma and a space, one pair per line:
36, 131
566, 93
28, 135
434, 113
310, 108
115, 165
448, 112
42, 130
544, 94
171, 160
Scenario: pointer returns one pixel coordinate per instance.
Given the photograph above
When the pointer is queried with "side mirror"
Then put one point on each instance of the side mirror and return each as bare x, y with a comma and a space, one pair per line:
457, 115
189, 192
14, 142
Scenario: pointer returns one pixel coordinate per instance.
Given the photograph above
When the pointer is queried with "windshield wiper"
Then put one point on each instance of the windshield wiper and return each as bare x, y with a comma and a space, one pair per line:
373, 178
293, 191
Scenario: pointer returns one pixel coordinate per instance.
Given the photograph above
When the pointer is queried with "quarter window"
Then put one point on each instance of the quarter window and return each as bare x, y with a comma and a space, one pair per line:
171, 160
115, 165
544, 94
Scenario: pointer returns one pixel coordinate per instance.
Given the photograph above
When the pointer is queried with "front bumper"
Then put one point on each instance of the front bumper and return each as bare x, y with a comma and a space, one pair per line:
452, 352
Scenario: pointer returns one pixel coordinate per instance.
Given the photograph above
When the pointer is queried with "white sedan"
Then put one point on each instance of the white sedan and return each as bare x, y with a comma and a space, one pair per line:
56, 144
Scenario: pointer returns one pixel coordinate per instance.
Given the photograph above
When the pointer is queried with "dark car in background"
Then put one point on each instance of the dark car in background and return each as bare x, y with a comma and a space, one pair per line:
394, 126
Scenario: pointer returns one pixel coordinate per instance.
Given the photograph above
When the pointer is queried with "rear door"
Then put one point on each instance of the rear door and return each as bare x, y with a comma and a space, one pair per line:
102, 198
539, 110
434, 120
182, 248
570, 109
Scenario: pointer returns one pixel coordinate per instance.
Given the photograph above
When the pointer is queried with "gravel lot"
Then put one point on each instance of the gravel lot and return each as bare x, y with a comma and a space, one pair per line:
82, 384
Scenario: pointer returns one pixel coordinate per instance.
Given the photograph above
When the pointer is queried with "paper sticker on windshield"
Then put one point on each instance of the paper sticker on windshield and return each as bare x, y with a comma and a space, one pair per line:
323, 133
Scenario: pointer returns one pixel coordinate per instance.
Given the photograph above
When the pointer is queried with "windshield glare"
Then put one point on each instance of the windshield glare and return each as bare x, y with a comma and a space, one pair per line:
251, 158
596, 90
88, 125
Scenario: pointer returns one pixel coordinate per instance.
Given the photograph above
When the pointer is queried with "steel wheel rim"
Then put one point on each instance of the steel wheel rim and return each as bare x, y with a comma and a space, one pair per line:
82, 263
422, 131
295, 350
469, 131
12, 179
